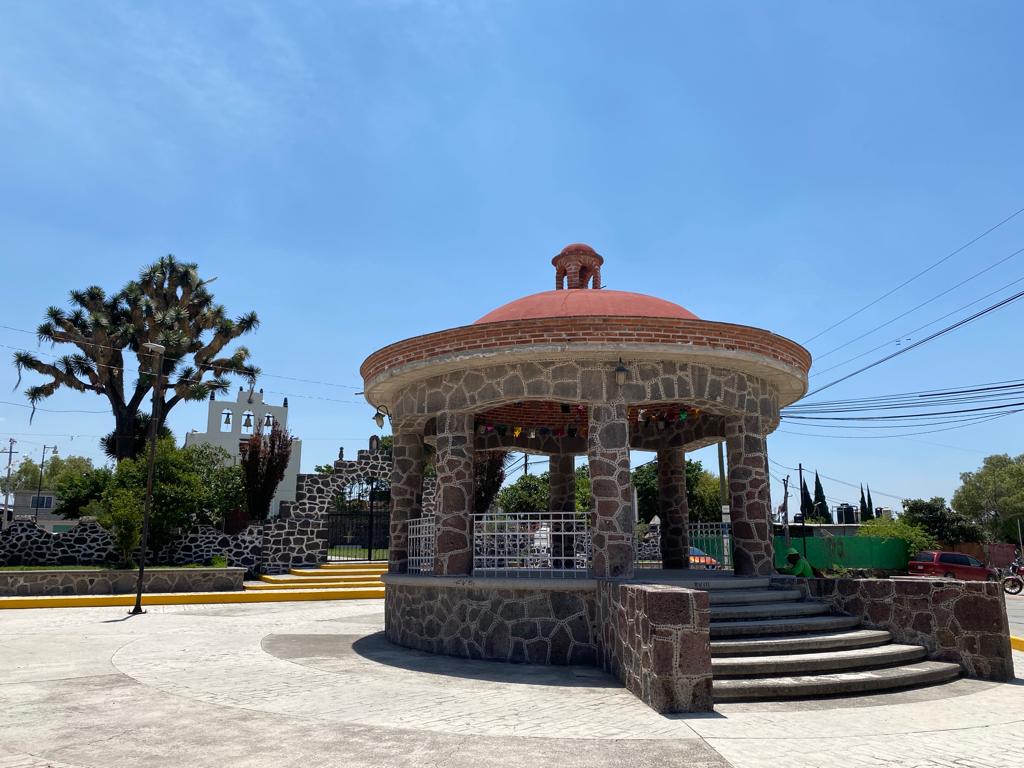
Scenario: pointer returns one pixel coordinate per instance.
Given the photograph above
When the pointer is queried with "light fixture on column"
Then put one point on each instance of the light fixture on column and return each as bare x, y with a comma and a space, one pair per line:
378, 417
620, 373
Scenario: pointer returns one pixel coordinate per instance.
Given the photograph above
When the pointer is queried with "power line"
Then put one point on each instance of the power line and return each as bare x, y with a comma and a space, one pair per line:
919, 274
834, 479
923, 304
905, 434
915, 345
906, 334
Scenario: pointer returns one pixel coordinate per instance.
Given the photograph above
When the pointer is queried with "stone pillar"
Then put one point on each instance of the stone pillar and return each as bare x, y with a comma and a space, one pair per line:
749, 500
562, 477
612, 489
673, 509
406, 489
454, 497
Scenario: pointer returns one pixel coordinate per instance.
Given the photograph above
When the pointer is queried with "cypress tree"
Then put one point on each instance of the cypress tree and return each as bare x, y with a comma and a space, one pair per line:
863, 505
820, 503
806, 505
870, 507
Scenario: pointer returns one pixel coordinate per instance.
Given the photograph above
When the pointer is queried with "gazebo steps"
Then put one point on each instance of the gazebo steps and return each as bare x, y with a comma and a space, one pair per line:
780, 610
305, 584
335, 581
764, 649
803, 643
738, 597
820, 662
757, 627
835, 684
313, 577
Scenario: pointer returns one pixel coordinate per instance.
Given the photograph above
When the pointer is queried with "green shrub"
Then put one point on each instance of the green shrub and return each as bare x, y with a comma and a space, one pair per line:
915, 537
218, 561
121, 514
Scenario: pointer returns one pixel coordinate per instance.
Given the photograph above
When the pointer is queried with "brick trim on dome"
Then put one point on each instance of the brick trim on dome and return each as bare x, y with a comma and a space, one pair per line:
586, 330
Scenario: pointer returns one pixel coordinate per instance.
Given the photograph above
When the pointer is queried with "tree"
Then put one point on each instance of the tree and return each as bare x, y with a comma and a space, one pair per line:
584, 498
915, 537
323, 469
489, 473
139, 439
120, 512
702, 497
75, 493
993, 496
821, 510
941, 522
806, 504
167, 304
179, 498
863, 506
264, 460
529, 493
869, 508
25, 477
221, 479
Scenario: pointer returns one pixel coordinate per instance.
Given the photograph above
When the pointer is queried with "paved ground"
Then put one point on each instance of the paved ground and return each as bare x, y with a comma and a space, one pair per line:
314, 684
1015, 613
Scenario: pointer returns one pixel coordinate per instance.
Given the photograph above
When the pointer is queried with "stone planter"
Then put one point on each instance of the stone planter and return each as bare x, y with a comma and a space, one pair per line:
119, 582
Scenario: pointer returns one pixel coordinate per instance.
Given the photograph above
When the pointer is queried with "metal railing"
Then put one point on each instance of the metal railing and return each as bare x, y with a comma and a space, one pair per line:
422, 536
714, 540
532, 544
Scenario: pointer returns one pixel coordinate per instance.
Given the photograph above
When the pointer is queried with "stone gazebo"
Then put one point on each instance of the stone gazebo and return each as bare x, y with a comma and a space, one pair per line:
578, 370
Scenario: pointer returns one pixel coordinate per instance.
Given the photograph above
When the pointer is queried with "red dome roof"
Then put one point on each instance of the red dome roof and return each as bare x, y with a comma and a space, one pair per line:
586, 303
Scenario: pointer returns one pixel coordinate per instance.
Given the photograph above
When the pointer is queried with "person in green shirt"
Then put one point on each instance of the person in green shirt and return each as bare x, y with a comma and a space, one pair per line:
798, 566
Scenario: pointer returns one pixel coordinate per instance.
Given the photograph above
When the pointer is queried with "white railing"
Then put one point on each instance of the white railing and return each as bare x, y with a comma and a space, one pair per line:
532, 544
713, 540
422, 535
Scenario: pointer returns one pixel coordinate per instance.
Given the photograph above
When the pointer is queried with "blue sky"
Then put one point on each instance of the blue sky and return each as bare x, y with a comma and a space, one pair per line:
360, 172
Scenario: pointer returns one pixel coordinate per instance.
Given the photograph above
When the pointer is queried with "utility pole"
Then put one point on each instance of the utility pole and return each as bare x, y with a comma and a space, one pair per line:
42, 465
157, 352
785, 508
526, 463
8, 516
803, 515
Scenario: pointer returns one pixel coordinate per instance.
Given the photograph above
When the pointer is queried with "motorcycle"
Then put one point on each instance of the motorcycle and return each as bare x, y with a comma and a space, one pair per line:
1014, 583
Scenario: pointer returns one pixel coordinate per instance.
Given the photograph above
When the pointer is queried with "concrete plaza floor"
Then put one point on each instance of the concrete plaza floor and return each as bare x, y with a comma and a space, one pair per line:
315, 684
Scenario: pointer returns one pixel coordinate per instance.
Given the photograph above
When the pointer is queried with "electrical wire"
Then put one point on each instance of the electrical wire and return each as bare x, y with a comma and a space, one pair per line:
919, 274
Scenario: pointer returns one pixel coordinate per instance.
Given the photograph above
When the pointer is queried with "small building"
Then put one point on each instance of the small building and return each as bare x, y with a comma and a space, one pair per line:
228, 424
38, 506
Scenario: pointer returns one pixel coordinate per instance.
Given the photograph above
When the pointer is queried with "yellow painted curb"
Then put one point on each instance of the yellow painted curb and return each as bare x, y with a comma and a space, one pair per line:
192, 598
1017, 643
313, 578
304, 584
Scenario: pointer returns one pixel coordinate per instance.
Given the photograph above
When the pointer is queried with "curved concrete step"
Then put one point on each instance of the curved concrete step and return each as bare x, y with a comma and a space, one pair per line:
313, 578
767, 610
809, 643
743, 597
752, 627
303, 584
839, 683
808, 663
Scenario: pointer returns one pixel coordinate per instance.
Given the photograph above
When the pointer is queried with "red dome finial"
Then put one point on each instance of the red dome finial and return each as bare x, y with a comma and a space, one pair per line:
580, 265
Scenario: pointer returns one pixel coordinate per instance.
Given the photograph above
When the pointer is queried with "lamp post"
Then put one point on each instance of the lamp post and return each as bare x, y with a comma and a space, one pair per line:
39, 488
157, 351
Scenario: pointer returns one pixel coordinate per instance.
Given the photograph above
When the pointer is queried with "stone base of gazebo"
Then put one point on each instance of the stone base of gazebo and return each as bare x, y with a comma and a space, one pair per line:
654, 637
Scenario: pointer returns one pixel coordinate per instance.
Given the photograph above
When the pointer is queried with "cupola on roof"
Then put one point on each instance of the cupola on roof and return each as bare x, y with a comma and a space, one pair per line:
579, 293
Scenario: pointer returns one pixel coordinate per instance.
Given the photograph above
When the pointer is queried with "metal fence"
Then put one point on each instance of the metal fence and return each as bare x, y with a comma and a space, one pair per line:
534, 544
710, 546
422, 535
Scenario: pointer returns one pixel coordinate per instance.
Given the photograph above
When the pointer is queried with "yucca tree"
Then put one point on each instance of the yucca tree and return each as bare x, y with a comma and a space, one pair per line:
167, 304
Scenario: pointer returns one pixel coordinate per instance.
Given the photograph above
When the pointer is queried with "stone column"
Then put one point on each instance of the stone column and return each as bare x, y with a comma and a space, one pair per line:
406, 489
454, 497
612, 489
673, 509
562, 477
749, 500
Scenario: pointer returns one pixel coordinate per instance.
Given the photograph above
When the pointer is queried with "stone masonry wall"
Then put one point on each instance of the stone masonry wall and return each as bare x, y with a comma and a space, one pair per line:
109, 582
499, 621
25, 543
957, 621
656, 641
294, 543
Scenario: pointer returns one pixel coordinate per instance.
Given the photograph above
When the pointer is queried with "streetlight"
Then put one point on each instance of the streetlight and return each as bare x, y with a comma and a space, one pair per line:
157, 351
39, 488
378, 417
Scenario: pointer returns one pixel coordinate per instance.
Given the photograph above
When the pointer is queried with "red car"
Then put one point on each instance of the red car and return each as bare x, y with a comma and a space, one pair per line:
950, 565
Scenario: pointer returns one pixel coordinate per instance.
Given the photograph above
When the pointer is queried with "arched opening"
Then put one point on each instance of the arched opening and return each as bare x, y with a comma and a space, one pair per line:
248, 423
226, 419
